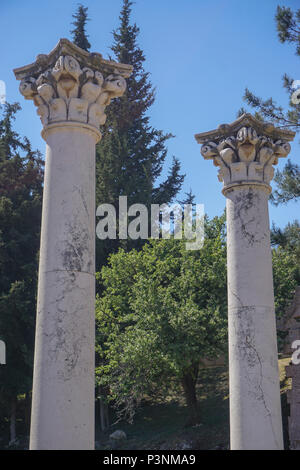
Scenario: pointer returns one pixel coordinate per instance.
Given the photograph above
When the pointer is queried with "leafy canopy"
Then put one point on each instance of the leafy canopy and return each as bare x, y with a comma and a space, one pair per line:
21, 176
162, 311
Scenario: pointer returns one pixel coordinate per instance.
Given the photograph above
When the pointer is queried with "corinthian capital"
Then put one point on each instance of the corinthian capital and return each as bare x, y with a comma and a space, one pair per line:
70, 84
246, 150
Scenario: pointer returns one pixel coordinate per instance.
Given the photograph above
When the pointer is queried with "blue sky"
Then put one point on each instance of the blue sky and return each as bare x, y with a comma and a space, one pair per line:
201, 55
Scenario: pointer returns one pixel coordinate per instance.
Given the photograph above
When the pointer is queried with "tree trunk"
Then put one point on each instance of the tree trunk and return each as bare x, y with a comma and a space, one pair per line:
104, 419
13, 415
27, 412
188, 381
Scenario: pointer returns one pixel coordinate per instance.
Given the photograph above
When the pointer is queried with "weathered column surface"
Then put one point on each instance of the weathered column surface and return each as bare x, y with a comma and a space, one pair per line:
246, 151
71, 89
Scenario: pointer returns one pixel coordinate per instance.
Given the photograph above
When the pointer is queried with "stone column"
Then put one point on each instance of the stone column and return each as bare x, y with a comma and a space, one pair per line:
246, 151
71, 89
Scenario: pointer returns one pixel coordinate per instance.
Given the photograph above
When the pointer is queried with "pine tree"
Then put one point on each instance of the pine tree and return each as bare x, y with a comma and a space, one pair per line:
288, 181
288, 26
189, 198
21, 176
287, 238
80, 38
131, 155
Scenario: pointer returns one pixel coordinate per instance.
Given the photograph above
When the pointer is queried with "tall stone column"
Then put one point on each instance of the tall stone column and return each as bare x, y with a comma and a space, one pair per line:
245, 151
71, 89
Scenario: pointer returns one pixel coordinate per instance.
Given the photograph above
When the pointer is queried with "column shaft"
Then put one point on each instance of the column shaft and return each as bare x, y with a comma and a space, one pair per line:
255, 408
63, 384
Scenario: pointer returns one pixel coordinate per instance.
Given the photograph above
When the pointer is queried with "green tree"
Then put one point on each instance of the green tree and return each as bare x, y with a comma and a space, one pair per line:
132, 153
286, 274
286, 264
288, 238
21, 175
162, 311
189, 198
288, 184
288, 180
288, 26
79, 35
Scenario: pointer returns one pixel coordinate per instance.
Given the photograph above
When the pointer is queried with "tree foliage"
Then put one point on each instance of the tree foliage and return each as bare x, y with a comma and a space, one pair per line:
79, 35
21, 175
162, 311
286, 264
288, 26
288, 184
